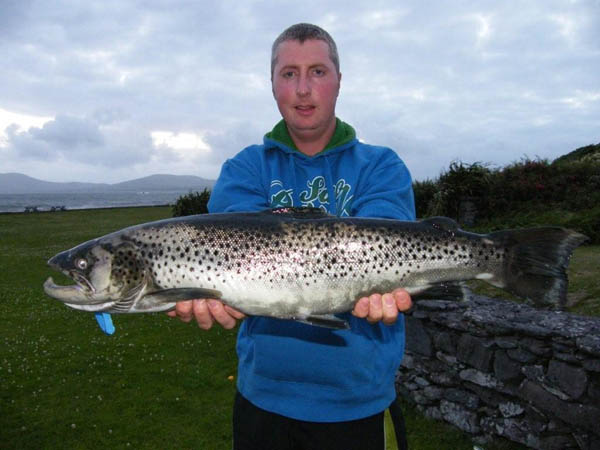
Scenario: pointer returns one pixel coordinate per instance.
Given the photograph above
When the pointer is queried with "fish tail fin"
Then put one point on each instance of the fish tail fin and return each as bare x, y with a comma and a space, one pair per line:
535, 264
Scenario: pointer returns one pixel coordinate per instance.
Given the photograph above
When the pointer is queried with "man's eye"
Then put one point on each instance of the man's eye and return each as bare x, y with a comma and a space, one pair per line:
289, 74
319, 72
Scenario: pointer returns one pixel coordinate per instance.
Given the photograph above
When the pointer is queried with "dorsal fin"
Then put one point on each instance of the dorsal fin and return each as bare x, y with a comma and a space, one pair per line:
442, 223
298, 212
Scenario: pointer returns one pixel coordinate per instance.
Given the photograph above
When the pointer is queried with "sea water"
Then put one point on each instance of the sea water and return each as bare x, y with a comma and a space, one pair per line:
113, 199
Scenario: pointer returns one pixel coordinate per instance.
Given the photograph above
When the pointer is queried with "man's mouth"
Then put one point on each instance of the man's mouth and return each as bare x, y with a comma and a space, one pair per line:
305, 109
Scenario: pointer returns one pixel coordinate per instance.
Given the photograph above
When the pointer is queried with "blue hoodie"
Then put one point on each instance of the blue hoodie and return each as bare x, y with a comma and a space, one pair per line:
301, 371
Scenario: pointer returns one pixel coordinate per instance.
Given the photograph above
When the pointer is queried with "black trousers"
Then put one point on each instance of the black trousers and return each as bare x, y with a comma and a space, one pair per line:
257, 429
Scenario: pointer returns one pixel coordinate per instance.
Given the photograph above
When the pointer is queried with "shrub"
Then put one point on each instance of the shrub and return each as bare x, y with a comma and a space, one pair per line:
192, 203
425, 194
520, 194
461, 182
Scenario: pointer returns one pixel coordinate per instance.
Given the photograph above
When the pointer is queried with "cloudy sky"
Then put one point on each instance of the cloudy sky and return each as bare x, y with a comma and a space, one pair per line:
118, 89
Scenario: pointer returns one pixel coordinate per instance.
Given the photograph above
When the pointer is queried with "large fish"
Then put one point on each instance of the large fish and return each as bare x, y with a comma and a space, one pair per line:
302, 263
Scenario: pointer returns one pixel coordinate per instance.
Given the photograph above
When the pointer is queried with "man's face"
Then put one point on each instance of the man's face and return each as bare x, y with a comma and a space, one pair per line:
306, 85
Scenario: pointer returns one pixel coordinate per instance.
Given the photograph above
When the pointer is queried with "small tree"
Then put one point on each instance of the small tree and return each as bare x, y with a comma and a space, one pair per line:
192, 203
462, 181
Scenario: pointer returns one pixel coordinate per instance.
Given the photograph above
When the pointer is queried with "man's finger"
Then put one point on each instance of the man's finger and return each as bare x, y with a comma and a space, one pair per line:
361, 309
202, 314
403, 300
375, 308
183, 310
218, 312
235, 313
389, 309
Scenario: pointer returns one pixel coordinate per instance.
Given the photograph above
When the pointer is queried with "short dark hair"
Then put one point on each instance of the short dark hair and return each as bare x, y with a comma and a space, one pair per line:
302, 32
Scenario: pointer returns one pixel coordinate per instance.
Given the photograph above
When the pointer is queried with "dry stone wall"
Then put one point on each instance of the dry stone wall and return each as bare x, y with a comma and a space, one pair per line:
498, 368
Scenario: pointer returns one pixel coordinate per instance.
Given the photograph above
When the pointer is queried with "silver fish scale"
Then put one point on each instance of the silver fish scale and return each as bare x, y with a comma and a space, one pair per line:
296, 268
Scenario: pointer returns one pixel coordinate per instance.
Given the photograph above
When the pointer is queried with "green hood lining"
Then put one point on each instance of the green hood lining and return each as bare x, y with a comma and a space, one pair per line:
343, 134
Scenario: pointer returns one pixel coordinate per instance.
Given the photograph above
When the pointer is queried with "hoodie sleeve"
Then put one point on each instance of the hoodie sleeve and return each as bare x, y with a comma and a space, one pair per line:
239, 186
385, 189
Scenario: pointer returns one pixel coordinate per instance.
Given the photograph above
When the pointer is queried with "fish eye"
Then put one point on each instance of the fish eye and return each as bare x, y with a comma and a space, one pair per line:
81, 263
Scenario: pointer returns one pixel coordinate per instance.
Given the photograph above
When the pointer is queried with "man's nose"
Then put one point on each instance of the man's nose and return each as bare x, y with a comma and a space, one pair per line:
303, 86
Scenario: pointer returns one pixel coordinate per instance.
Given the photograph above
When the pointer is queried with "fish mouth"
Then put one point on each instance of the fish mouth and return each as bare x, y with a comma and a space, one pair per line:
80, 293
83, 282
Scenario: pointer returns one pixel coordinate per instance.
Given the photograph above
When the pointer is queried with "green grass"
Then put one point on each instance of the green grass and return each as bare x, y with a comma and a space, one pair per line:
156, 383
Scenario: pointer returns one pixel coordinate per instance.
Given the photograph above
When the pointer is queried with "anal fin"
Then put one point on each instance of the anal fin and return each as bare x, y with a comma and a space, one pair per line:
325, 321
456, 291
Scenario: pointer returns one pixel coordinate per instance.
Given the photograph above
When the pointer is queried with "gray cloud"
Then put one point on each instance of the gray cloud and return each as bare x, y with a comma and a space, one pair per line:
471, 80
72, 139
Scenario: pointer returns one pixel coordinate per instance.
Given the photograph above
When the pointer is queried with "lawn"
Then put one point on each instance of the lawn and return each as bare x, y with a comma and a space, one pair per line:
156, 383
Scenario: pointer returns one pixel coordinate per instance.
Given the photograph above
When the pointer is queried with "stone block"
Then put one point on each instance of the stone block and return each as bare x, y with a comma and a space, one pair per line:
583, 416
568, 357
446, 342
507, 342
534, 373
521, 355
516, 430
569, 379
475, 352
480, 378
592, 365
459, 416
590, 344
433, 392
488, 396
558, 442
433, 412
408, 362
537, 346
422, 382
450, 360
444, 379
594, 390
417, 339
420, 398
510, 409
505, 368
463, 397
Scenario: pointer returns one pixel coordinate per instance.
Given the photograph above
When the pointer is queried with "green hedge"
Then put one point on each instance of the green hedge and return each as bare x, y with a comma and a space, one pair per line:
530, 192
192, 203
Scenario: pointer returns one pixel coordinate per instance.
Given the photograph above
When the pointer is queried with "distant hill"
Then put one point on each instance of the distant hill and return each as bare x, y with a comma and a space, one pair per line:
17, 183
589, 153
162, 182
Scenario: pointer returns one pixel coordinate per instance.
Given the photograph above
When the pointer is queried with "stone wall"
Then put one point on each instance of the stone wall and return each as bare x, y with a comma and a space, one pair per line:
499, 368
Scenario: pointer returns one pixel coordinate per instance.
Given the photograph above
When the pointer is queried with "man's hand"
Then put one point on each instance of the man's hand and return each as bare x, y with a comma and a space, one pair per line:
206, 311
374, 308
384, 307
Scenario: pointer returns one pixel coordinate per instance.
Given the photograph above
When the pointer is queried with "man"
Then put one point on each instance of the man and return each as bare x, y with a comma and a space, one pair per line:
300, 386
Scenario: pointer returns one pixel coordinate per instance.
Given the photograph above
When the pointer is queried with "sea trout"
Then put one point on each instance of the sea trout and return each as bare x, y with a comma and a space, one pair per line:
303, 264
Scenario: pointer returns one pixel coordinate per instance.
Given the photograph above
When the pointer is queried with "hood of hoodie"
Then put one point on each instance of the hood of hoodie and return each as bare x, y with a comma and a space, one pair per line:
279, 136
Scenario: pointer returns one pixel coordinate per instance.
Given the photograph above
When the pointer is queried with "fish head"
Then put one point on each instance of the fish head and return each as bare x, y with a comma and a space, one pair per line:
109, 273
